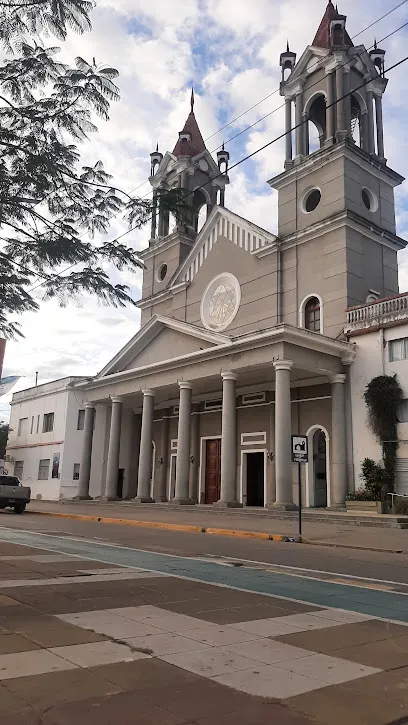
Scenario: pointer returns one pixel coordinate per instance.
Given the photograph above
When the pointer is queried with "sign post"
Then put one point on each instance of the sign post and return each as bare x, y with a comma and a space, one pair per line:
299, 456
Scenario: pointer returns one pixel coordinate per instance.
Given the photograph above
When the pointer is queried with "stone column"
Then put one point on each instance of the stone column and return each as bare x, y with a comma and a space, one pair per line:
112, 466
146, 449
380, 127
341, 132
288, 130
154, 216
364, 132
85, 465
229, 441
195, 456
135, 449
183, 444
338, 443
370, 141
347, 100
330, 109
299, 133
283, 432
164, 455
306, 149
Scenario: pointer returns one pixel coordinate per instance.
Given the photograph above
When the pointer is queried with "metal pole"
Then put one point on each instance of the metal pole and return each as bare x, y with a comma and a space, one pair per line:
300, 498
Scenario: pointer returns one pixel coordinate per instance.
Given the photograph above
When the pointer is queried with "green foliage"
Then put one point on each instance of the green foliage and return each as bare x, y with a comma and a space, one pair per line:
50, 205
383, 396
401, 506
374, 476
362, 494
4, 431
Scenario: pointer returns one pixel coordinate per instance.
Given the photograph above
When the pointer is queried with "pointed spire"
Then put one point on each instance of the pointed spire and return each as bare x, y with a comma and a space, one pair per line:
157, 147
375, 44
322, 37
190, 142
287, 46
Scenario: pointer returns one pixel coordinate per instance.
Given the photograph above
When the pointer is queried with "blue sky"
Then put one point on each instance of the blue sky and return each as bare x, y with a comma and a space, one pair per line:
230, 50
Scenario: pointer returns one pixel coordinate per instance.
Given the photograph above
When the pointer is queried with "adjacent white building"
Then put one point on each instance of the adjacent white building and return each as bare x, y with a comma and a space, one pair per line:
380, 331
45, 440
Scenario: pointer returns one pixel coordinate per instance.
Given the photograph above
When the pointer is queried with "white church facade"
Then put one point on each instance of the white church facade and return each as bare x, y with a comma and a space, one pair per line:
242, 340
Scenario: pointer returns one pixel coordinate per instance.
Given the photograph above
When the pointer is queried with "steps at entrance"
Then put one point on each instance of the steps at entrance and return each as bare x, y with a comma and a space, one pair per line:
319, 515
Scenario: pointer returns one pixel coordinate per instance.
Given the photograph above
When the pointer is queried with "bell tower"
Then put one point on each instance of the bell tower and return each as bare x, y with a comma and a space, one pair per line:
195, 182
336, 209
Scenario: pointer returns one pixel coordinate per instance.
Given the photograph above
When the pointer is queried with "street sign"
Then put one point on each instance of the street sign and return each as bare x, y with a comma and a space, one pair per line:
299, 449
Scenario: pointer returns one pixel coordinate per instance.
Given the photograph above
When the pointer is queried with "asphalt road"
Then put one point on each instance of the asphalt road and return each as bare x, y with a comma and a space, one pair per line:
380, 566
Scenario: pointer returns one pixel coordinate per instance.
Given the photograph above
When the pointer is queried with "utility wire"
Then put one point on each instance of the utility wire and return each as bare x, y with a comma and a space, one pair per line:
262, 148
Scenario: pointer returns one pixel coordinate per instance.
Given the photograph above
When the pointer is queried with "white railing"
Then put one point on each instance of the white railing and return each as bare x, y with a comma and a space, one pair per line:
367, 315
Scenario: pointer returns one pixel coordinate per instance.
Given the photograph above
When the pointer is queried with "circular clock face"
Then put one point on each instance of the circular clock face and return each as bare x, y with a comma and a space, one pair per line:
220, 302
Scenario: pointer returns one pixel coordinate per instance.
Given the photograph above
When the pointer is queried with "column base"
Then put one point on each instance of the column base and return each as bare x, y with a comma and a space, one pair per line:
144, 499
161, 499
83, 497
110, 498
181, 501
228, 505
278, 506
289, 164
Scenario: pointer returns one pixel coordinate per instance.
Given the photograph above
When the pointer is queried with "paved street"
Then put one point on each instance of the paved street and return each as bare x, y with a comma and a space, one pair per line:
100, 625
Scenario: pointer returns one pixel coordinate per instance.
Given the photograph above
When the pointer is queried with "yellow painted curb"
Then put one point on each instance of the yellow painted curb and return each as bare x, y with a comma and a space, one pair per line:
164, 526
245, 534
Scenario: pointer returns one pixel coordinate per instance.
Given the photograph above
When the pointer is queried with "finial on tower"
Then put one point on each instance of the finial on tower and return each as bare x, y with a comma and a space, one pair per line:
192, 99
375, 44
287, 46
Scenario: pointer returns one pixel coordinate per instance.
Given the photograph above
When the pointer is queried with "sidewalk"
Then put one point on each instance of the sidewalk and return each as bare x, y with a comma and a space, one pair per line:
341, 533
89, 643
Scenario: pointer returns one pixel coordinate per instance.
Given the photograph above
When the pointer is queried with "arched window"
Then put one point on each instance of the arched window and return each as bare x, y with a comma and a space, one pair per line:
312, 315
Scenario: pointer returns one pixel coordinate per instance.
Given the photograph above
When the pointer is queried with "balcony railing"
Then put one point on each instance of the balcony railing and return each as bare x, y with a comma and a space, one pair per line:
381, 312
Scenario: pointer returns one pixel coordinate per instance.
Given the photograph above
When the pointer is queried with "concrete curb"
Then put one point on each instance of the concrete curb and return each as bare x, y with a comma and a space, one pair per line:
162, 525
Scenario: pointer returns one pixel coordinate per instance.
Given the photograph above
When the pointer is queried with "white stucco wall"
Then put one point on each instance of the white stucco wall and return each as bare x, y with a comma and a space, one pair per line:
30, 447
372, 359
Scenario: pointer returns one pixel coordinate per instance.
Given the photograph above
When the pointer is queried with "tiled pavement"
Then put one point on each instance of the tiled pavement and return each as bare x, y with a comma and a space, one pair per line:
81, 642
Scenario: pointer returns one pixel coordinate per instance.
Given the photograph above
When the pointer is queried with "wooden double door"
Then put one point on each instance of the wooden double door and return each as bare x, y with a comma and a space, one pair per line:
212, 470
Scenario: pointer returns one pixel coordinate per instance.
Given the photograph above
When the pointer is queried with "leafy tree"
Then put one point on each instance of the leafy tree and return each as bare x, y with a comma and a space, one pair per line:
4, 431
50, 205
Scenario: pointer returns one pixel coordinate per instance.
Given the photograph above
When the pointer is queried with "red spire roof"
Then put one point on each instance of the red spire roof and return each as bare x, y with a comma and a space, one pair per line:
195, 145
322, 38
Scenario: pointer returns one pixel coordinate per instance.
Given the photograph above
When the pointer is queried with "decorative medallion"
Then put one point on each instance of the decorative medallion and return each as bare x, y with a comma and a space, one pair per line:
220, 302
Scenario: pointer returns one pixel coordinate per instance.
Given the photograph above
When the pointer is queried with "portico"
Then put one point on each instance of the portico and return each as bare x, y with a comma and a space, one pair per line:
247, 391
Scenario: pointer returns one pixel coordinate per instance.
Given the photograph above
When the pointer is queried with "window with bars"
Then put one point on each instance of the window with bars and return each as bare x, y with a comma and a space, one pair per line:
48, 422
398, 349
313, 314
44, 469
18, 469
75, 475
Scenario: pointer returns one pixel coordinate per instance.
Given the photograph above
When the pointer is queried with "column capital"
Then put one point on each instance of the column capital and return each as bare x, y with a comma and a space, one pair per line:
283, 364
90, 405
116, 399
148, 393
184, 385
229, 376
340, 378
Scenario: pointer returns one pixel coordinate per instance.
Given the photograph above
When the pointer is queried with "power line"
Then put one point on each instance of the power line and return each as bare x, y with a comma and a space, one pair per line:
277, 138
243, 131
251, 108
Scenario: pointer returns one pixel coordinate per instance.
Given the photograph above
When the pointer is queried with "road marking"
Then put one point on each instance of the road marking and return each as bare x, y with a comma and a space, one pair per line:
322, 596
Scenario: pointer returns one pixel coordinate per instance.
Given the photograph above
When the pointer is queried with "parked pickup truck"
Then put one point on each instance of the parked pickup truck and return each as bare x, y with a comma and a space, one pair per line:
13, 494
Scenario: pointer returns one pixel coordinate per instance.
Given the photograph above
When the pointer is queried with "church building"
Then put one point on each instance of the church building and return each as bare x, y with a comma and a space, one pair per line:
242, 341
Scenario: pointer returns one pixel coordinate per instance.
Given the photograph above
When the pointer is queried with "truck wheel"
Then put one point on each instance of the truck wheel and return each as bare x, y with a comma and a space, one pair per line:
19, 508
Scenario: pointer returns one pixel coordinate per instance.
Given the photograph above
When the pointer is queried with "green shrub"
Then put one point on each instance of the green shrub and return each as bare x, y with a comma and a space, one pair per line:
374, 476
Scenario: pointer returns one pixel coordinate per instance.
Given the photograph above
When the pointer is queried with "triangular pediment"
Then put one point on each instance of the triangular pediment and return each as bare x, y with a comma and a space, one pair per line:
162, 338
222, 224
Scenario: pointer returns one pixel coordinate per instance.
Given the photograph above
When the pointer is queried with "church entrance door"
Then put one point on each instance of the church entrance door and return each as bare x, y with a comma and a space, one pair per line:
212, 470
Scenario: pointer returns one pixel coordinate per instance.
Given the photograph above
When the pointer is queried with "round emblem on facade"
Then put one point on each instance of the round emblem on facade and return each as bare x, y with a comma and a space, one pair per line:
220, 302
